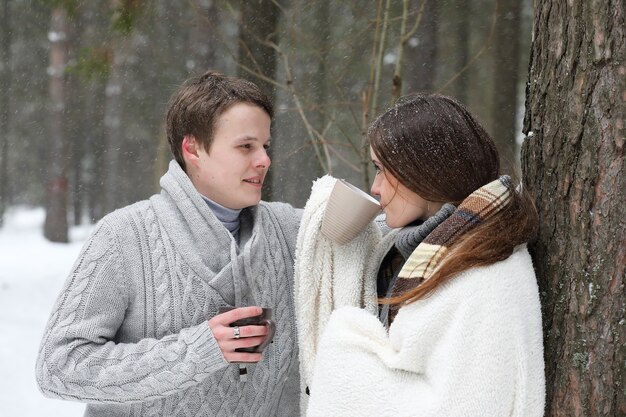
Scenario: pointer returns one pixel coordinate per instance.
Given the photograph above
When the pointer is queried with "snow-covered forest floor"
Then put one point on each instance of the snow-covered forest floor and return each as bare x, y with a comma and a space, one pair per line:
32, 271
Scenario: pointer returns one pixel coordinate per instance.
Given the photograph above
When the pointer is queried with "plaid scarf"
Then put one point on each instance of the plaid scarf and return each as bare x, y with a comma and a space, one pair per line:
475, 209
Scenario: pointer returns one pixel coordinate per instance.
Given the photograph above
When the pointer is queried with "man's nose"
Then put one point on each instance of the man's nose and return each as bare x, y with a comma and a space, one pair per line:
263, 159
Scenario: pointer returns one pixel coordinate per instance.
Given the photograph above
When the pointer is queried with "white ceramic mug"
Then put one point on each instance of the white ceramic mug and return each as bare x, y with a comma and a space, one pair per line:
348, 211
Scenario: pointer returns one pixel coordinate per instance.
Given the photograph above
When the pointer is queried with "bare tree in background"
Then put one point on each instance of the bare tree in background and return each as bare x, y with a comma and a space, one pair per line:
95, 149
333, 118
335, 66
55, 225
113, 132
115, 175
295, 145
257, 31
506, 81
421, 51
461, 34
573, 164
202, 38
5, 85
320, 81
257, 58
75, 131
89, 77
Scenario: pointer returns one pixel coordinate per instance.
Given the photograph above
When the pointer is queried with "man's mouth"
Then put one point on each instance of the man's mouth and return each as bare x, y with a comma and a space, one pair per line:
256, 181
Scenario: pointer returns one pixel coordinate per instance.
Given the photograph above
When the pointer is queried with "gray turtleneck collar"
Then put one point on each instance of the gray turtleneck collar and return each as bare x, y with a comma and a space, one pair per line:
229, 217
407, 239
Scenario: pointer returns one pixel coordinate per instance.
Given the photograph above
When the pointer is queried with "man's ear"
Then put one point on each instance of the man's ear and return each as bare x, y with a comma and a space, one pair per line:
190, 149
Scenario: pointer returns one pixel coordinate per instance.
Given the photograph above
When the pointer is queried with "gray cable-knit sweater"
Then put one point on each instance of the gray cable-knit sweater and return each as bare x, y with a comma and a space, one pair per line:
129, 335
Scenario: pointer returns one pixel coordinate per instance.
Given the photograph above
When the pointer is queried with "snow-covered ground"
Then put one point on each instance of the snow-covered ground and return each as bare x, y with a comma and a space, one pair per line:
32, 271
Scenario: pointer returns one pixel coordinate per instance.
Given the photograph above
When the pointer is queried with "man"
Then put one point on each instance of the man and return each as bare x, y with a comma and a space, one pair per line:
136, 330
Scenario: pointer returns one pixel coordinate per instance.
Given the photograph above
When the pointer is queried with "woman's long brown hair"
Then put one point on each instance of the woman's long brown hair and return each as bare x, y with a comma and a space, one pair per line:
434, 146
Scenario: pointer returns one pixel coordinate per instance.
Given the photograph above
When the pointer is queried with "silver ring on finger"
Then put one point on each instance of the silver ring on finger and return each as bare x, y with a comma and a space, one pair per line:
236, 332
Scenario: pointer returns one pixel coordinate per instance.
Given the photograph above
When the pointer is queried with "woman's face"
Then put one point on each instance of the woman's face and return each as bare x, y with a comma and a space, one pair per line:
401, 205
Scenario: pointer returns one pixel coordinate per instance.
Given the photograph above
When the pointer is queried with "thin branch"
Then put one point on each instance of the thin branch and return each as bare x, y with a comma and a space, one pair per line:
396, 81
367, 95
418, 20
404, 38
311, 131
342, 158
379, 61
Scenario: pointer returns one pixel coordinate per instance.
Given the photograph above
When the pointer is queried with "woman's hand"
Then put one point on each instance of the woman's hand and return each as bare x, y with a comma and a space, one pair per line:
231, 338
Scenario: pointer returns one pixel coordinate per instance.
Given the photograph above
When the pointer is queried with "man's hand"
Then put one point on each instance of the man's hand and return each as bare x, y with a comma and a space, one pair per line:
231, 338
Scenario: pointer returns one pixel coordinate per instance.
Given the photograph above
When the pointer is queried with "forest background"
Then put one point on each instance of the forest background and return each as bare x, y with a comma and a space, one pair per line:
90, 82
84, 86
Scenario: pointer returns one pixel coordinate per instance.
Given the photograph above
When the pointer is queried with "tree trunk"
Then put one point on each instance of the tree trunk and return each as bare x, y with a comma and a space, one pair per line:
257, 27
76, 130
112, 133
96, 152
573, 164
203, 37
259, 19
506, 51
310, 166
122, 182
55, 226
421, 51
298, 162
5, 85
115, 176
462, 36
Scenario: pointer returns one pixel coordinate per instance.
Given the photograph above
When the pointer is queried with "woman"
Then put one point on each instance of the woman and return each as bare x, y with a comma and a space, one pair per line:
464, 335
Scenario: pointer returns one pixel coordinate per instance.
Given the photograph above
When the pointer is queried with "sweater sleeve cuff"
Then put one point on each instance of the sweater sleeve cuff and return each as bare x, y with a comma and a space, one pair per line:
203, 346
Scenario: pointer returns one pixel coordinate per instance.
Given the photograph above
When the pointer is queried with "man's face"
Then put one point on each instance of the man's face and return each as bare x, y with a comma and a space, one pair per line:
232, 172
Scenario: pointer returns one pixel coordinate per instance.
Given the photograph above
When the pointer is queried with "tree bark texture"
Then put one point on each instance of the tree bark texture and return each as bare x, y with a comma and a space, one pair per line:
55, 225
506, 67
5, 85
573, 164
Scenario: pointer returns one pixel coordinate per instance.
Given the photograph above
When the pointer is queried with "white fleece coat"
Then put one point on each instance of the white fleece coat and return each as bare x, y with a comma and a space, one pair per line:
472, 348
329, 276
